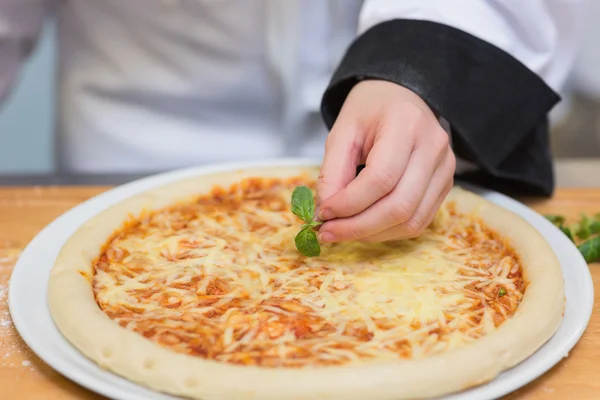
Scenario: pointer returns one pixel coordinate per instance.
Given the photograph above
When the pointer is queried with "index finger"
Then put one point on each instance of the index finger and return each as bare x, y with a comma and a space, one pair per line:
385, 165
342, 155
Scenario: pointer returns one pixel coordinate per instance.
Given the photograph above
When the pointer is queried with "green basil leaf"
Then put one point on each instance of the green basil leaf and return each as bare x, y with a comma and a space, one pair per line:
303, 203
594, 227
583, 230
307, 243
567, 231
555, 219
590, 249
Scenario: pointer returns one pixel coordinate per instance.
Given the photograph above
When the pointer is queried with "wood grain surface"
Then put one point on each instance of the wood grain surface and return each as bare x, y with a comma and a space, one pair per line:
25, 211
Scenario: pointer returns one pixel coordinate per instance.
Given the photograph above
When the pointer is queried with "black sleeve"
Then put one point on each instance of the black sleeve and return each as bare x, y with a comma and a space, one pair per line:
497, 107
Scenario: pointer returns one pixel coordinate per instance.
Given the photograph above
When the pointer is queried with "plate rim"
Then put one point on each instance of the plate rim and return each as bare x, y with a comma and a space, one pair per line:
116, 194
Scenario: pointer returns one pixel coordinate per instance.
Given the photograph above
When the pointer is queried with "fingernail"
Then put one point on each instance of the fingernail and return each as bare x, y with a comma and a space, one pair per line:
325, 215
326, 237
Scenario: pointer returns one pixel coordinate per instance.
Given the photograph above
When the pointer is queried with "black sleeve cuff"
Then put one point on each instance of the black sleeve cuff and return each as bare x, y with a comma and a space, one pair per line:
496, 106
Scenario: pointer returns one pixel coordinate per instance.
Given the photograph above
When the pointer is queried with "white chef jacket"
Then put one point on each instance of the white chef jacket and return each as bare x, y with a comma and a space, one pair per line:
148, 85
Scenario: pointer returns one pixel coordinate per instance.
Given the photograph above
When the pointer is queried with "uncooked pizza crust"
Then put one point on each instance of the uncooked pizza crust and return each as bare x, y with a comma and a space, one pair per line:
128, 354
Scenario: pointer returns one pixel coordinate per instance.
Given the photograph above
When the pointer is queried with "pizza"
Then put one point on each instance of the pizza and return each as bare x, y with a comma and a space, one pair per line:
196, 289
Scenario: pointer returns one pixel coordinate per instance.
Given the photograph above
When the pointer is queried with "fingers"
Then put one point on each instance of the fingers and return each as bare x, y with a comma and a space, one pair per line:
409, 167
441, 184
412, 228
395, 208
343, 150
406, 211
385, 165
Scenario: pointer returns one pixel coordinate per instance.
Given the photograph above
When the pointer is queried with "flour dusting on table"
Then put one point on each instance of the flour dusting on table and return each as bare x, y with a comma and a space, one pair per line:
14, 353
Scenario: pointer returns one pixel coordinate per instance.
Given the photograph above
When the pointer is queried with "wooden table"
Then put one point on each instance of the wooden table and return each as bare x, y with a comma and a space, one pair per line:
24, 211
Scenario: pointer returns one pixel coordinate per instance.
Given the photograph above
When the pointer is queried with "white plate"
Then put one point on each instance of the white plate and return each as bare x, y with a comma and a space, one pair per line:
31, 316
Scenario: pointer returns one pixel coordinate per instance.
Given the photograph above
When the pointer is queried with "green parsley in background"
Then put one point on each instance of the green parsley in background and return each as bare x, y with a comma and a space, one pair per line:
585, 234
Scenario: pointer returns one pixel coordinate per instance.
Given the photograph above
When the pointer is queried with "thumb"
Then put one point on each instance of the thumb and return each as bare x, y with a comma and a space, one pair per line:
342, 155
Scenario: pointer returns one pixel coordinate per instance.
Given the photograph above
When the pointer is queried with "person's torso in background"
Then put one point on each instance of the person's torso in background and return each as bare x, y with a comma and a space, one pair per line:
147, 85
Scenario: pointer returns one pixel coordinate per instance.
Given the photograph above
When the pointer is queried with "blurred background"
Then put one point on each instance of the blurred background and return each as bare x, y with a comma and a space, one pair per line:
27, 118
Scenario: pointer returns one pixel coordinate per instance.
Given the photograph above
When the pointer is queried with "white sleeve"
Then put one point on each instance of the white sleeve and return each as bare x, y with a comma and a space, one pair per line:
541, 34
20, 24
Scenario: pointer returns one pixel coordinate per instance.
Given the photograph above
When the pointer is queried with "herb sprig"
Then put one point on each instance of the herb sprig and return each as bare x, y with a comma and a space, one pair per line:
303, 206
585, 234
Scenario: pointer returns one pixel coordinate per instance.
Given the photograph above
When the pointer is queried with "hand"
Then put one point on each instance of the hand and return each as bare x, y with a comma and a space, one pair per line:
409, 166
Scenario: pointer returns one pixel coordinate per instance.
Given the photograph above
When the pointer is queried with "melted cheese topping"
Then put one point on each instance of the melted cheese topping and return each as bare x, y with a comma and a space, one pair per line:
219, 277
